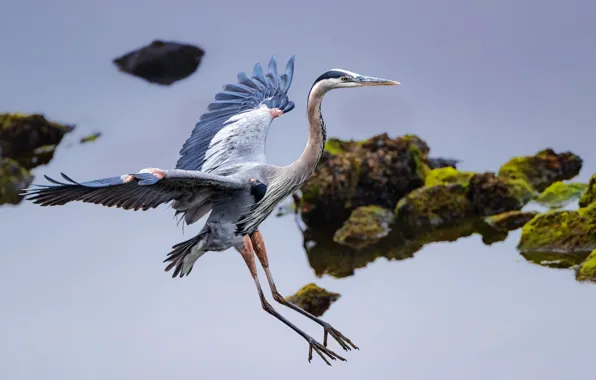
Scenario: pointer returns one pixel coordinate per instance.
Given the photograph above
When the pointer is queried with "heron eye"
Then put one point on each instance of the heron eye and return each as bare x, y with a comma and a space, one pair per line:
343, 79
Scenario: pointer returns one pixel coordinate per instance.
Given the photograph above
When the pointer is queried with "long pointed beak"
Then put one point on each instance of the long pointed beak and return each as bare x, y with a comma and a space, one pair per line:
372, 81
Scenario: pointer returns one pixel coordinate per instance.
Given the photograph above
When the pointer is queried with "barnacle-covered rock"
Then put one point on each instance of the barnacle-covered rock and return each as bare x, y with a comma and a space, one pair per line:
542, 169
313, 299
559, 239
378, 171
366, 225
587, 271
13, 179
30, 140
161, 62
589, 195
510, 220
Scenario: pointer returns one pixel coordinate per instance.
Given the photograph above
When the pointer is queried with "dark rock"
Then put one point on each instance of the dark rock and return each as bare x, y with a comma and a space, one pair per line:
161, 62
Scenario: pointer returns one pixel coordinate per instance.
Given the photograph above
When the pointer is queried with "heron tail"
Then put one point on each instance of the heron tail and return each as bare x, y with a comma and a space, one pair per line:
184, 255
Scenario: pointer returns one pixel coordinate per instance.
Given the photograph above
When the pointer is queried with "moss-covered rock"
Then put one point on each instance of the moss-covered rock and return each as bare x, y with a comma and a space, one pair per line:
560, 194
13, 179
439, 205
313, 299
587, 271
589, 195
542, 169
366, 225
511, 220
30, 139
559, 239
491, 195
378, 171
446, 176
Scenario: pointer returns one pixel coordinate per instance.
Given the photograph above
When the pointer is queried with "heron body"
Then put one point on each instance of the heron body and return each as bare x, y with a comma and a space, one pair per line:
222, 169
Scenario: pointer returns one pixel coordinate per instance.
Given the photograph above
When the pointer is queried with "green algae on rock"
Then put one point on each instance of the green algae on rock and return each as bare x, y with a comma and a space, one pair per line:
447, 175
313, 299
377, 171
587, 270
589, 195
560, 194
559, 239
13, 179
542, 169
90, 138
366, 225
510, 220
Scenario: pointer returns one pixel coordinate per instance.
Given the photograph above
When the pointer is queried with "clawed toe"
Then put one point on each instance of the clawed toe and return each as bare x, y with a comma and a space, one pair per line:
343, 341
322, 351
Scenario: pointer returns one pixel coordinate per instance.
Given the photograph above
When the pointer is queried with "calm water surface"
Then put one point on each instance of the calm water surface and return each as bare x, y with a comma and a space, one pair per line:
83, 290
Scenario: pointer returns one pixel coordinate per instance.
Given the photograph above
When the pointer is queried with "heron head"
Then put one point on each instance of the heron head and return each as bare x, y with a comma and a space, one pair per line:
339, 78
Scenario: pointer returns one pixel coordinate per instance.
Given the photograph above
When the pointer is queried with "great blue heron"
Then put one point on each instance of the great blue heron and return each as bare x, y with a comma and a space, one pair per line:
222, 169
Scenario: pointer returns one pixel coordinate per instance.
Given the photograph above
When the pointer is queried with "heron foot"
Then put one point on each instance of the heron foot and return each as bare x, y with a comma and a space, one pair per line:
343, 341
322, 351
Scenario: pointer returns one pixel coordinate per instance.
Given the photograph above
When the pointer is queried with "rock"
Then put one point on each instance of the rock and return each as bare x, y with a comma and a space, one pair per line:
366, 225
161, 62
559, 239
587, 271
542, 169
446, 176
560, 194
313, 299
491, 195
589, 195
378, 171
440, 205
468, 195
511, 220
438, 162
90, 138
30, 140
13, 179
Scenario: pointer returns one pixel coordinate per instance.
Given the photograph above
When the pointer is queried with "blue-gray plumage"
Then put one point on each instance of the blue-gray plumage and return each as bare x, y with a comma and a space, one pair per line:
222, 169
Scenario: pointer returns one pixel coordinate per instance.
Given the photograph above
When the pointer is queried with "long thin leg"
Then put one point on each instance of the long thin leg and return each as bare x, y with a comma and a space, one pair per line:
259, 247
248, 255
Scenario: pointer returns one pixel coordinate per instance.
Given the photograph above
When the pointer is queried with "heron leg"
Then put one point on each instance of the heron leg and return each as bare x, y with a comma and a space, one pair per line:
259, 247
248, 255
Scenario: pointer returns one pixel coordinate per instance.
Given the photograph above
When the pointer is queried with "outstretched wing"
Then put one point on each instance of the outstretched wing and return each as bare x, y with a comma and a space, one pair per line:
141, 191
234, 129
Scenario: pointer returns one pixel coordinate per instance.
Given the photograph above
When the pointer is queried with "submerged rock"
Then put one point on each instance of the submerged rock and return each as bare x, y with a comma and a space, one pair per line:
313, 299
587, 271
559, 239
542, 169
13, 179
378, 171
560, 194
511, 220
366, 225
161, 62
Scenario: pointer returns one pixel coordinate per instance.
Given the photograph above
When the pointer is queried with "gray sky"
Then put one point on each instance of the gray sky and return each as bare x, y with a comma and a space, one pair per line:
83, 290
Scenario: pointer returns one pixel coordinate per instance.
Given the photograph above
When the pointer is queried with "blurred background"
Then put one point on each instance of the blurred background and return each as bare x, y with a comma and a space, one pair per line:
82, 287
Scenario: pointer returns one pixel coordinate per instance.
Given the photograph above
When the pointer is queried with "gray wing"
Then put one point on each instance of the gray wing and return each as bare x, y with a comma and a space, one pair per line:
140, 191
234, 129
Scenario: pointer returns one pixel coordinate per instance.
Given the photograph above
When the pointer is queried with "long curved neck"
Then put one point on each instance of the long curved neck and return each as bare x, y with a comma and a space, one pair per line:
304, 166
